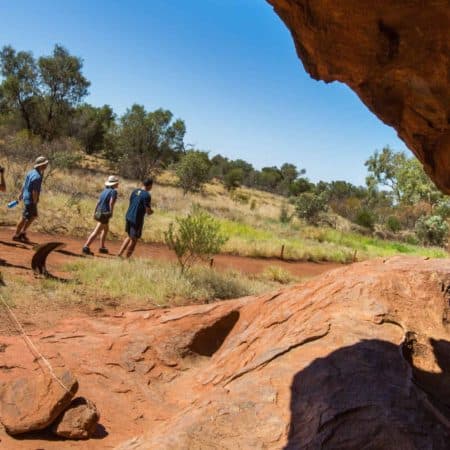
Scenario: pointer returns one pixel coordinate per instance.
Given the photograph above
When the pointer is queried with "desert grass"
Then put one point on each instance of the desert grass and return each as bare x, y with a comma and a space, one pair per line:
161, 284
113, 283
250, 218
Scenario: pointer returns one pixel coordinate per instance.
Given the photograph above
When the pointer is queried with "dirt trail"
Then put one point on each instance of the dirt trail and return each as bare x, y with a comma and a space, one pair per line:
18, 256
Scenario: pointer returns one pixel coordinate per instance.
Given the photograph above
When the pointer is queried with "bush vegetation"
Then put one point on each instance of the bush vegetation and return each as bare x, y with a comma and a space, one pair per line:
198, 236
43, 111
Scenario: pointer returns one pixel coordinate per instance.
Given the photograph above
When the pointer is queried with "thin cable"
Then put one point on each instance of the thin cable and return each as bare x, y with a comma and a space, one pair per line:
36, 353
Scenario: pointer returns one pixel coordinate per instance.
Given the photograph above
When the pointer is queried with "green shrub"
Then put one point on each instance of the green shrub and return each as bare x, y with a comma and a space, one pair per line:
432, 230
365, 218
233, 179
393, 224
309, 206
193, 171
198, 236
285, 217
240, 196
442, 209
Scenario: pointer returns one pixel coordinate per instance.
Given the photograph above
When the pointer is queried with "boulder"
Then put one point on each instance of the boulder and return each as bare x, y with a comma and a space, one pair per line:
32, 403
394, 54
79, 421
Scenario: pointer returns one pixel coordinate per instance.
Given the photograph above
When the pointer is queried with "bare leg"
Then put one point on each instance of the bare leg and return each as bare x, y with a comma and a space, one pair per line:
20, 226
94, 234
124, 246
103, 235
23, 225
131, 247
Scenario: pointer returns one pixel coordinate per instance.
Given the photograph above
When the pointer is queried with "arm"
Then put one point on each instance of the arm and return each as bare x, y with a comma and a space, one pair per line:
148, 206
35, 196
112, 202
35, 188
2, 180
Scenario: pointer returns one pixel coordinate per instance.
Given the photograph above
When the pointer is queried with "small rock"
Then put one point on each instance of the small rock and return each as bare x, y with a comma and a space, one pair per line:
33, 403
79, 421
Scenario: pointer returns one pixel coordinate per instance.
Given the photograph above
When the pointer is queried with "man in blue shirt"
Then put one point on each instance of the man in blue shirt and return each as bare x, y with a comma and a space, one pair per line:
103, 213
30, 195
139, 207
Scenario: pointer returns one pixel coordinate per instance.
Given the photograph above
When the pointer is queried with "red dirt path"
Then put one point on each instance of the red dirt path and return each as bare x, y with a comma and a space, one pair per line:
19, 256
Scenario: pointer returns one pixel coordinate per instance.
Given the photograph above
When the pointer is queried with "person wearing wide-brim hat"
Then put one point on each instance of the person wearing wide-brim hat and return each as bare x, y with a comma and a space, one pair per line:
103, 213
30, 195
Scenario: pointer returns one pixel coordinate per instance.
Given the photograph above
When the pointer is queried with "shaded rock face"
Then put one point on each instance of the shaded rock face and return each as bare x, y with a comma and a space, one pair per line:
394, 54
356, 358
32, 403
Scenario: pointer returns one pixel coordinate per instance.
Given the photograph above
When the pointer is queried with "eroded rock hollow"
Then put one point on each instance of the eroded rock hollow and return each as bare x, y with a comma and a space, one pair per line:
394, 54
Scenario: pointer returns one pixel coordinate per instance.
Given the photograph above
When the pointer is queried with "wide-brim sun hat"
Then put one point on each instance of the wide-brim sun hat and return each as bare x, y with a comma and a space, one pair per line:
112, 181
40, 161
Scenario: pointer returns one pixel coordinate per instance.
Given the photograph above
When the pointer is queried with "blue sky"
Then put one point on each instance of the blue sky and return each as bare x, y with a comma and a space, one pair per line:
227, 67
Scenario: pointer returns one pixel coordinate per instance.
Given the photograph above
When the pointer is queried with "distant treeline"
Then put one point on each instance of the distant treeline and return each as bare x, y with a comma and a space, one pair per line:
42, 109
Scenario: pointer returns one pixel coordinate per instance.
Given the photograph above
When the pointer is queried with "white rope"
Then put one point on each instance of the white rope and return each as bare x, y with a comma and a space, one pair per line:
36, 353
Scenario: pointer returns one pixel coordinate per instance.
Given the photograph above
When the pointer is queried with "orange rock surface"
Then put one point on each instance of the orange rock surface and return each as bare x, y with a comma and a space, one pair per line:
358, 355
394, 54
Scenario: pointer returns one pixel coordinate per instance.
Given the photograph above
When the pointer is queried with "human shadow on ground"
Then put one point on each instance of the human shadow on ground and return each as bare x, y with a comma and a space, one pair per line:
15, 245
4, 263
369, 396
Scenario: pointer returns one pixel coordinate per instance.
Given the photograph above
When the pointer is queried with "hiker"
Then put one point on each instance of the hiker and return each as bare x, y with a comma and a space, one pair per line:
30, 194
103, 213
140, 205
2, 179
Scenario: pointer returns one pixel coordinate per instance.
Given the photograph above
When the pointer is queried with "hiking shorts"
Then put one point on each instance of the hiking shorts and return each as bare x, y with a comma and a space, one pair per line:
103, 217
30, 211
133, 230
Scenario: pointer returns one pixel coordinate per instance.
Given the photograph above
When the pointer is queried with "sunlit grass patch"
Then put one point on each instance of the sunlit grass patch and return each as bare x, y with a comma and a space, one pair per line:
278, 274
161, 284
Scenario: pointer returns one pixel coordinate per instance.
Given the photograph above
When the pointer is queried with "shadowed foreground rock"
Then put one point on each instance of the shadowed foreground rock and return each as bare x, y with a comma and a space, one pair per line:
394, 54
356, 358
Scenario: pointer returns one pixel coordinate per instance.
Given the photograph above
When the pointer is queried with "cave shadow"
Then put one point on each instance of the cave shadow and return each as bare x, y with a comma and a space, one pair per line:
369, 396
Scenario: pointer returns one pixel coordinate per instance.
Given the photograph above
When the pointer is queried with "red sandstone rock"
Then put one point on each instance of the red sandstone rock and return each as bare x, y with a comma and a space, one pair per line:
357, 358
79, 421
394, 54
33, 403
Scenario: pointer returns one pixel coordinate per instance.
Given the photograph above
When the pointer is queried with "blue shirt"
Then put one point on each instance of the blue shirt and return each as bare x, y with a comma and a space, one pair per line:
105, 198
33, 182
140, 200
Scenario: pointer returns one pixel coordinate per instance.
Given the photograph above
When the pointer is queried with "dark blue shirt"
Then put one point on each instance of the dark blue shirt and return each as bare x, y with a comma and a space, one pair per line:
105, 198
33, 182
140, 200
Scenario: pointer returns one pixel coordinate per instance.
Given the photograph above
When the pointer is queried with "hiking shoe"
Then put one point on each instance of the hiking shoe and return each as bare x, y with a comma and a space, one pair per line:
87, 251
17, 238
103, 250
24, 238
